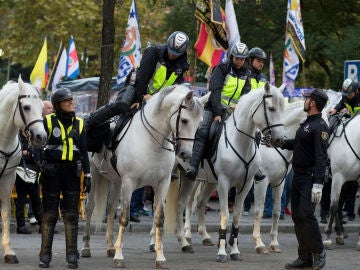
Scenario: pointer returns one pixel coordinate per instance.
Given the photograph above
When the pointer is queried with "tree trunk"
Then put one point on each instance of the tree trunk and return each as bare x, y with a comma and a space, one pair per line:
107, 52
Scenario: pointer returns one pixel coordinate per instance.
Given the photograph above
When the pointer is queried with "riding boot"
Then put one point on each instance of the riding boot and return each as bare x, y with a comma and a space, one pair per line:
47, 236
198, 151
71, 219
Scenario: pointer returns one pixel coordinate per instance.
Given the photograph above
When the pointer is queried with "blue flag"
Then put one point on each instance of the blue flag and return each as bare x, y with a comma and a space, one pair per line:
131, 52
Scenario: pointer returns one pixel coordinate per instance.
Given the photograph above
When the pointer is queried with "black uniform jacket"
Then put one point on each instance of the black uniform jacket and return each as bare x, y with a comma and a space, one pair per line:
310, 147
153, 55
216, 84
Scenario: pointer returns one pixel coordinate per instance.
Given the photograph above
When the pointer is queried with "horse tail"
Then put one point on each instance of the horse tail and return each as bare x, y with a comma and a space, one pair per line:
196, 197
170, 208
101, 190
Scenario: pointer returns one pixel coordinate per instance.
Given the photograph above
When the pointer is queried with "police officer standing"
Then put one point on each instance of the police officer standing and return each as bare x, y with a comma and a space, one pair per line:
65, 156
228, 82
309, 164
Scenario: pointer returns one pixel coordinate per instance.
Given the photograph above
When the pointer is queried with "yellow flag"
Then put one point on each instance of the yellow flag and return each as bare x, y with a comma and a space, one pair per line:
41, 70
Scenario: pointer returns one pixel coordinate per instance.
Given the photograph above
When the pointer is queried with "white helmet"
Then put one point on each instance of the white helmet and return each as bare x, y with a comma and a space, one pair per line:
348, 87
239, 50
177, 43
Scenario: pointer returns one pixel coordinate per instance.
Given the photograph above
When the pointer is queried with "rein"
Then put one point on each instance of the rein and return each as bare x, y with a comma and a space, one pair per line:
7, 157
175, 139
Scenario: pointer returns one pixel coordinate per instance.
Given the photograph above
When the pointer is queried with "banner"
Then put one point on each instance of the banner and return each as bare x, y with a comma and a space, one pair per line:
60, 70
207, 49
73, 66
40, 73
207, 11
271, 70
130, 55
231, 23
295, 29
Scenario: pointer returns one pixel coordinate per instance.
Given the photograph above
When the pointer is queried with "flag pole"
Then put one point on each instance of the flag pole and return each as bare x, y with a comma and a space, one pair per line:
51, 77
303, 69
195, 56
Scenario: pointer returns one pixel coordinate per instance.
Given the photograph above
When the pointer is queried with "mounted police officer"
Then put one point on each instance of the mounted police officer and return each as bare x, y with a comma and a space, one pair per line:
256, 60
229, 81
350, 98
309, 165
161, 66
65, 156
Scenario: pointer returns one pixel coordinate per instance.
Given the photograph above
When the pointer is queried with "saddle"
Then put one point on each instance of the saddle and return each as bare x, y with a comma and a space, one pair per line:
95, 137
213, 139
121, 122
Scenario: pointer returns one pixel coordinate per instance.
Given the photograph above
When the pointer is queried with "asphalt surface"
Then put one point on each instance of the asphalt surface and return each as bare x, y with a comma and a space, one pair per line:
137, 255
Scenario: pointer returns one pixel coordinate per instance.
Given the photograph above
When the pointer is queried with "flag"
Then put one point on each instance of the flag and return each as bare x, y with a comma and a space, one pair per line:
59, 70
130, 55
73, 66
207, 49
295, 29
231, 23
291, 59
210, 13
40, 73
271, 71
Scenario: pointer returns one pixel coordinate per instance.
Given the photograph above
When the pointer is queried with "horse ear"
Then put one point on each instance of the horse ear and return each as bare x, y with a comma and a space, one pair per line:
189, 97
282, 87
21, 83
267, 87
204, 99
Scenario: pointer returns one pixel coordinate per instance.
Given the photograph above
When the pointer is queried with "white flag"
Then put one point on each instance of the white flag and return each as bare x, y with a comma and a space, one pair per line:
231, 23
60, 70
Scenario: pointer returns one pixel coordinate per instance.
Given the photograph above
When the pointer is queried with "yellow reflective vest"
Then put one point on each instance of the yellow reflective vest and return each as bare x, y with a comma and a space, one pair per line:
159, 81
232, 89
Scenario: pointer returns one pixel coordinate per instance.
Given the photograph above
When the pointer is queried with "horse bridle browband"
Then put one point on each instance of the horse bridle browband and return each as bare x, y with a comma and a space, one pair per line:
176, 138
27, 126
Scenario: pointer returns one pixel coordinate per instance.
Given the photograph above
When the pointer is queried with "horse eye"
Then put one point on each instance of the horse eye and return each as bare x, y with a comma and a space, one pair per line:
26, 108
271, 109
184, 121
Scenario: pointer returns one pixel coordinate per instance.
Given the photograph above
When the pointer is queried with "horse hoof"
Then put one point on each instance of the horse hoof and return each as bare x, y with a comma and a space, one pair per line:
221, 258
85, 253
236, 257
340, 240
275, 249
110, 253
161, 265
187, 249
11, 259
188, 239
152, 248
327, 242
262, 250
119, 263
207, 242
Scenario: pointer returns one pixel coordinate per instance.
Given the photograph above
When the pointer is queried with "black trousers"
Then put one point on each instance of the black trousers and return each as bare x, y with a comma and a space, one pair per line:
325, 199
306, 225
23, 189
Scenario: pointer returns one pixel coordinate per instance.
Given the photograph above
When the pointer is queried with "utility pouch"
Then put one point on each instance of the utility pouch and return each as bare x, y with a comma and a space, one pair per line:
78, 168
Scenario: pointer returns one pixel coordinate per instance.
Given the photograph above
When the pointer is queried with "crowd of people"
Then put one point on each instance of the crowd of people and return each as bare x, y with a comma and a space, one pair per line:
59, 166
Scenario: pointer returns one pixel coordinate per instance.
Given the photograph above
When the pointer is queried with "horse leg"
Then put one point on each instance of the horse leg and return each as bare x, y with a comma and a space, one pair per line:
9, 254
89, 208
223, 192
276, 194
113, 203
233, 240
125, 198
259, 199
161, 190
184, 199
203, 198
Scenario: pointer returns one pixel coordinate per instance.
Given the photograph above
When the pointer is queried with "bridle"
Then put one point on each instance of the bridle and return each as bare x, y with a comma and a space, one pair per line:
175, 137
266, 129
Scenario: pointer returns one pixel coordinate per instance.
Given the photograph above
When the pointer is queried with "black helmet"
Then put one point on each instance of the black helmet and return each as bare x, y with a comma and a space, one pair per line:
258, 53
177, 43
348, 87
60, 95
239, 50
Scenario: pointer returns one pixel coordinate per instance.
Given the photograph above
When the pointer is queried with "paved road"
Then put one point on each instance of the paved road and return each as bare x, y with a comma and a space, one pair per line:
138, 257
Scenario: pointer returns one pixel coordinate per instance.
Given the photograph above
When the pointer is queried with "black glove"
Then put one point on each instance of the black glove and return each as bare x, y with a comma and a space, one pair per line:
87, 183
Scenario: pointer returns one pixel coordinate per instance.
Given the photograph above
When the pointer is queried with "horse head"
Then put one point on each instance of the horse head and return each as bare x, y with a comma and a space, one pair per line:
28, 113
185, 117
267, 112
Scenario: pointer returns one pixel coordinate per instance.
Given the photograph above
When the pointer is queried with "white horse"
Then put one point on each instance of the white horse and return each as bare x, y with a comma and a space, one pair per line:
145, 154
275, 165
237, 161
20, 108
344, 154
